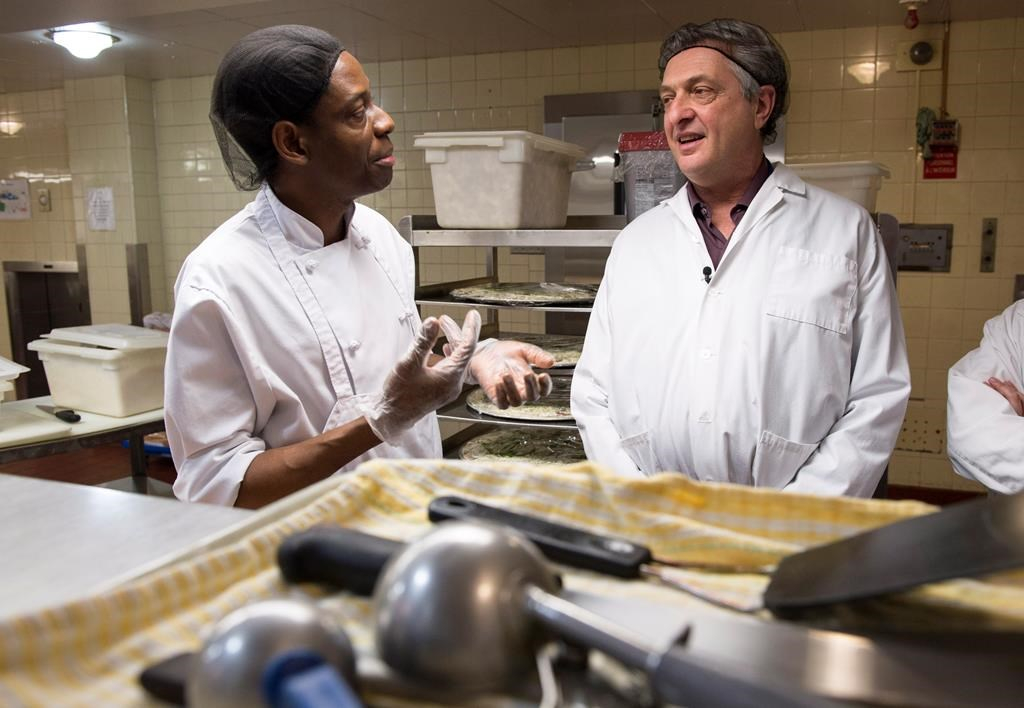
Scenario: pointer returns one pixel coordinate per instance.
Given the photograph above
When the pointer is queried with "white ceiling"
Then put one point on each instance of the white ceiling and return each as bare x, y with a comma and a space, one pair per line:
174, 38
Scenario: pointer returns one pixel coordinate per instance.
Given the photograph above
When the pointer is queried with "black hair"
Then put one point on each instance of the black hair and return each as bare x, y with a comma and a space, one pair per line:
273, 74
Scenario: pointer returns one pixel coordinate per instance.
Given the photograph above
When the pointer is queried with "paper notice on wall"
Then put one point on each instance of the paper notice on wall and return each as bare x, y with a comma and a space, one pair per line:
14, 199
99, 208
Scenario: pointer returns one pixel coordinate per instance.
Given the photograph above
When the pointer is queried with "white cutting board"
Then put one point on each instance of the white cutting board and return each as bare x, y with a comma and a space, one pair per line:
17, 428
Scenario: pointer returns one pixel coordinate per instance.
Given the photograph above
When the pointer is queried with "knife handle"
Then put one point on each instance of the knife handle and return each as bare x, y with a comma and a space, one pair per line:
333, 555
564, 544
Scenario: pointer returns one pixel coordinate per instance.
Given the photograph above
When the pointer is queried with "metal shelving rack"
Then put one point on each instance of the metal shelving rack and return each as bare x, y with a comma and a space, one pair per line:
424, 231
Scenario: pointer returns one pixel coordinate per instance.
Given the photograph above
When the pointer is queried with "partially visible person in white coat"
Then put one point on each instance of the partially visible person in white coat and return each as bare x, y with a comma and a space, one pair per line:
296, 350
985, 408
746, 329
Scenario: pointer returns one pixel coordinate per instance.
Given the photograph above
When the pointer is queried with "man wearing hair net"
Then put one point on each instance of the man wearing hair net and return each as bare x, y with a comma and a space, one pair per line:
296, 350
746, 329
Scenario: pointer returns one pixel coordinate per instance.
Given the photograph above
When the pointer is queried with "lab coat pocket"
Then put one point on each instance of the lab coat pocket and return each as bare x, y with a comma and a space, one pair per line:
641, 452
777, 460
814, 288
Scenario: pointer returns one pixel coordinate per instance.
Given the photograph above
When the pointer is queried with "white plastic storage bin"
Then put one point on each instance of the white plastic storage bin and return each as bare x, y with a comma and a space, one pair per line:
508, 179
9, 371
112, 369
857, 181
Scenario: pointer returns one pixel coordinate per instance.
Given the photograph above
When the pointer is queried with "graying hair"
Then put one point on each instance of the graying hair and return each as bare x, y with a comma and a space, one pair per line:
756, 59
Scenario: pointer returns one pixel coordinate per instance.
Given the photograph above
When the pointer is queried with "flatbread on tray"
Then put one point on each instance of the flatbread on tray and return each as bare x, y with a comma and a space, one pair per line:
554, 407
565, 348
528, 293
539, 446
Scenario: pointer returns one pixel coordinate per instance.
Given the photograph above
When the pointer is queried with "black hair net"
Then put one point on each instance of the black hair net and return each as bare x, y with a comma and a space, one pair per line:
277, 73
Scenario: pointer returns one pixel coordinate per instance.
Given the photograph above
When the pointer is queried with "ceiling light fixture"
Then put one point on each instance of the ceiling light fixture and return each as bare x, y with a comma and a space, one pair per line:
10, 126
83, 41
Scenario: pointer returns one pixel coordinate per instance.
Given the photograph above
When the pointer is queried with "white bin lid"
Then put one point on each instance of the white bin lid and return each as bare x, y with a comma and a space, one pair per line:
10, 370
112, 336
839, 170
495, 139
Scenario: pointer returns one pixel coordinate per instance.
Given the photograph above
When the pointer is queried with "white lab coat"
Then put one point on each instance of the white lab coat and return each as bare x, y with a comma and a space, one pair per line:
788, 370
986, 436
277, 338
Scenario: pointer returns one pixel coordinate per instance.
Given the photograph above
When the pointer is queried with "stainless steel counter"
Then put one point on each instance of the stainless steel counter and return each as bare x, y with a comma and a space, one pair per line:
63, 541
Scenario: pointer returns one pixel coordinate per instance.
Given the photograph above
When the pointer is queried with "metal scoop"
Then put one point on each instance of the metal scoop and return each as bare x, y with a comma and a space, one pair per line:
470, 603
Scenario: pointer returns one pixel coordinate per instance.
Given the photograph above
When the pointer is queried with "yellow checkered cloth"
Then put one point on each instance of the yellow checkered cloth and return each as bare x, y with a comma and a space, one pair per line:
90, 652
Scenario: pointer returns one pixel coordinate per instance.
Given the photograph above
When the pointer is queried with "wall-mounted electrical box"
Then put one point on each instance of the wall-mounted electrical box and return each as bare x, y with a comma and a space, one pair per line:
988, 245
43, 199
924, 247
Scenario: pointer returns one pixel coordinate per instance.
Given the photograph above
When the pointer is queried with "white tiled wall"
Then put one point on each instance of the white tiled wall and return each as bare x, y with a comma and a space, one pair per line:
145, 187
848, 103
99, 155
38, 152
196, 195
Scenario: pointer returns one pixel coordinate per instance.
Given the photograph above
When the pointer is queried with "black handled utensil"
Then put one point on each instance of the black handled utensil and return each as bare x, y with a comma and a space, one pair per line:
333, 555
573, 546
65, 414
963, 540
345, 558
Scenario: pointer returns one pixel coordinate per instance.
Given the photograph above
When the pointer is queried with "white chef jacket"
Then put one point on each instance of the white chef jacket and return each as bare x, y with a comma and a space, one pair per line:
986, 436
277, 338
788, 370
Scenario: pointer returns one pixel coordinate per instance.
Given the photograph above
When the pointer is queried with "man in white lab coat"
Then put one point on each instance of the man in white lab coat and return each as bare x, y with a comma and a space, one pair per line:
296, 350
985, 409
746, 329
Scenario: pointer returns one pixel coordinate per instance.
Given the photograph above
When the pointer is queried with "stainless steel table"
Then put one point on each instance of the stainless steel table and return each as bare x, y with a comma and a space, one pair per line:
93, 429
63, 541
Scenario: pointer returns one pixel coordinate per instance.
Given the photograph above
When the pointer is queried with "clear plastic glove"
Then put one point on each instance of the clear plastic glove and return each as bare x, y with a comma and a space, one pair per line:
504, 369
414, 388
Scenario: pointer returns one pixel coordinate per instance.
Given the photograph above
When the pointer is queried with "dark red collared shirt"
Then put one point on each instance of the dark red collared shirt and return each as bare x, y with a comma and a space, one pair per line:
713, 237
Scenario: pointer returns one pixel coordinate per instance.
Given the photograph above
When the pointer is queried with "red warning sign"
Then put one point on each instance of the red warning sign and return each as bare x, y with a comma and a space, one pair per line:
942, 165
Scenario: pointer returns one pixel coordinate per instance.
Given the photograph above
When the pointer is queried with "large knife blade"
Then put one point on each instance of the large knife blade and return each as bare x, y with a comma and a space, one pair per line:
962, 540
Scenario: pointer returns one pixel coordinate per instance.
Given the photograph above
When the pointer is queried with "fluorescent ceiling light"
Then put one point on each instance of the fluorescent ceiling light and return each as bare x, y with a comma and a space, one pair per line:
83, 41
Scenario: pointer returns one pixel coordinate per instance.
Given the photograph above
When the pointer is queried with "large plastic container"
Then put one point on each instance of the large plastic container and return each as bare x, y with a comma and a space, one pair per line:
858, 181
9, 371
648, 170
111, 369
500, 179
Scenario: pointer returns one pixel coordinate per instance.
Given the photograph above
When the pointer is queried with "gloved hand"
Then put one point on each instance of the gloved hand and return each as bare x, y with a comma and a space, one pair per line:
504, 369
414, 388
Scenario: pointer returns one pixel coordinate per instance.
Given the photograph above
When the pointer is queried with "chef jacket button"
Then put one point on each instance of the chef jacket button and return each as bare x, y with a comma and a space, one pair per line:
704, 418
705, 353
404, 316
354, 345
311, 266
